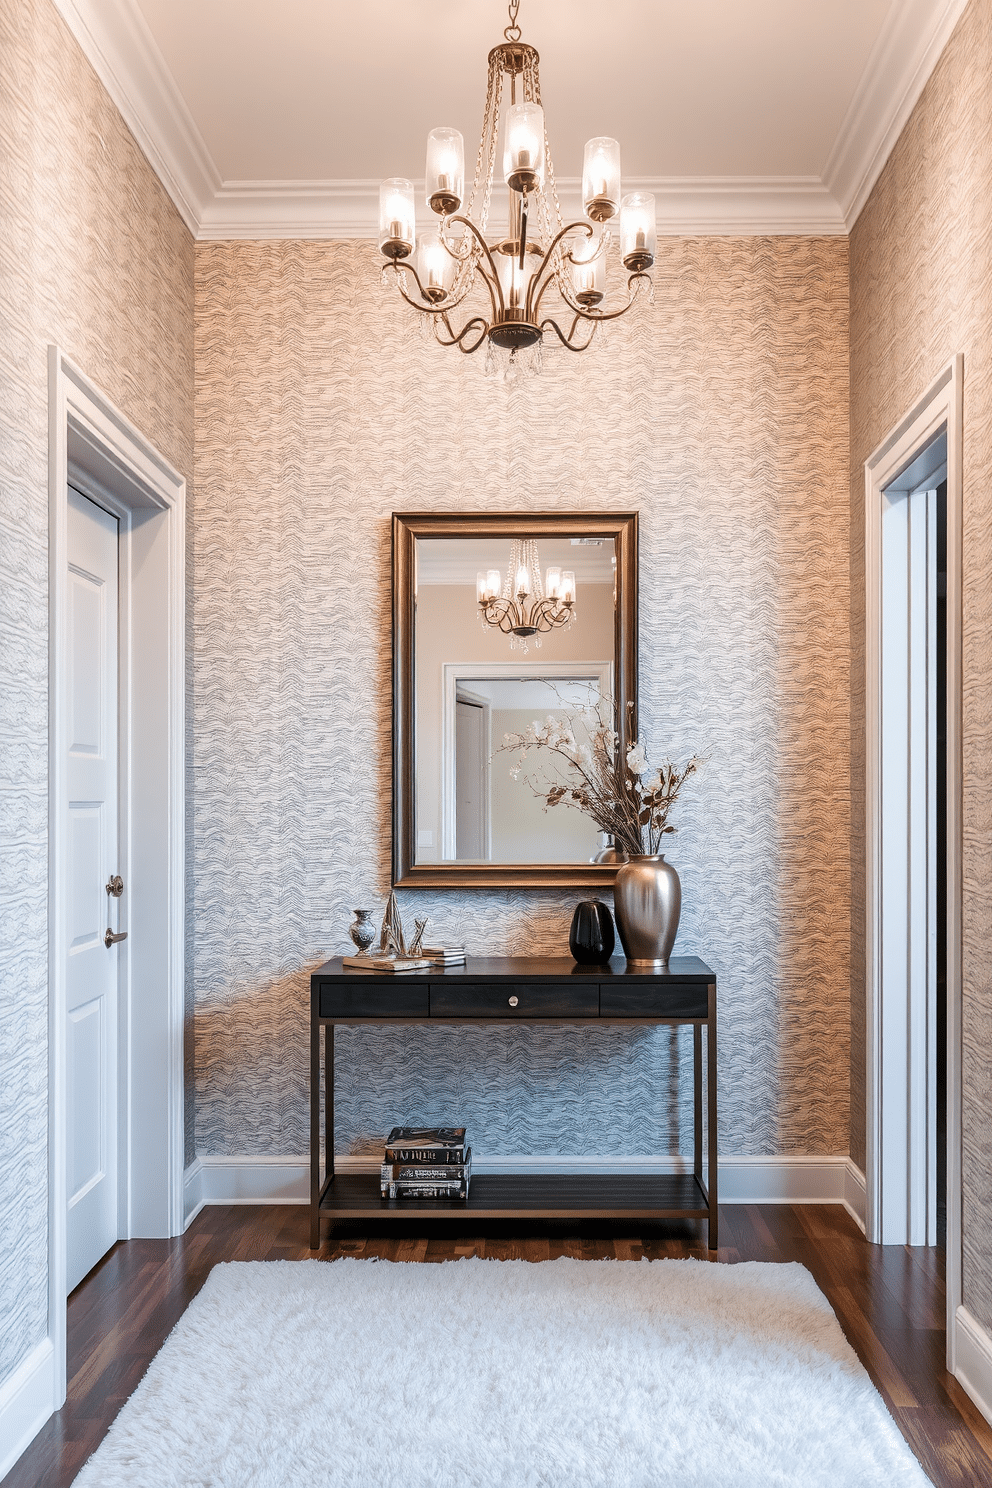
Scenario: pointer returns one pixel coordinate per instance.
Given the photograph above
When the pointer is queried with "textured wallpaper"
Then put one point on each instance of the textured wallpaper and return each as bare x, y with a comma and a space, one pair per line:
921, 290
93, 256
721, 414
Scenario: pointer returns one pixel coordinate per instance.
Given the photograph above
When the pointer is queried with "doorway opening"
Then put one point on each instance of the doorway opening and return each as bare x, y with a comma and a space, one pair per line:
105, 474
913, 819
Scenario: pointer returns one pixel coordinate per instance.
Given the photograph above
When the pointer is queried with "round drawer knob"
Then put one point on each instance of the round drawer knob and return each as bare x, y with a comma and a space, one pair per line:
513, 1002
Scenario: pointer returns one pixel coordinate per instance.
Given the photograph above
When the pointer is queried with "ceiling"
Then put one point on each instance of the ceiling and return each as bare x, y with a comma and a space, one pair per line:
742, 115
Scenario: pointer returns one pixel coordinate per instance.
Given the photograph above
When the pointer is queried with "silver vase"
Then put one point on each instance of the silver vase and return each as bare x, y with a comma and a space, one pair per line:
362, 931
647, 902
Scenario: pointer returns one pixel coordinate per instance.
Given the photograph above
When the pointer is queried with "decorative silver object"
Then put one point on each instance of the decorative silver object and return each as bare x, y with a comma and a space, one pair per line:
418, 940
391, 941
362, 931
647, 903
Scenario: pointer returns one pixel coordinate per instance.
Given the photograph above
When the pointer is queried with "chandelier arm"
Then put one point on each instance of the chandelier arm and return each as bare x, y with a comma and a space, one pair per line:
566, 341
498, 312
506, 616
546, 615
458, 337
426, 308
597, 315
569, 227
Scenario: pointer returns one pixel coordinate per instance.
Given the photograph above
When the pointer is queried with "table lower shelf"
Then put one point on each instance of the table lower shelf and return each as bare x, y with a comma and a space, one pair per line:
527, 1196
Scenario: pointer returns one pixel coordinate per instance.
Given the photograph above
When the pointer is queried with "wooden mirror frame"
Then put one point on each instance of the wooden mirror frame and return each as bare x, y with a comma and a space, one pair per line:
407, 527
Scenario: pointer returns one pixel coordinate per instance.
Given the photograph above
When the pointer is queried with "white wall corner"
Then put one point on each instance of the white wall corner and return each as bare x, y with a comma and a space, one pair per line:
855, 1200
193, 1200
900, 63
27, 1399
971, 1350
124, 55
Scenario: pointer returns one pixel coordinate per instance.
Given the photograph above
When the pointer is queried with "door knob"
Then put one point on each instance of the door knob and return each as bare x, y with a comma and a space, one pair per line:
111, 939
115, 886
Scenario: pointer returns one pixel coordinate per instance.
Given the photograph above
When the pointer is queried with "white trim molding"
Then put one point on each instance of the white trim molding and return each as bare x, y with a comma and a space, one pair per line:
687, 206
112, 462
125, 56
971, 1359
119, 44
28, 1397
743, 1180
899, 66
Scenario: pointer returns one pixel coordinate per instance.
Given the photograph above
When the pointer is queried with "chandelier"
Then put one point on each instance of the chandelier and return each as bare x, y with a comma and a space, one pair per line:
520, 606
541, 264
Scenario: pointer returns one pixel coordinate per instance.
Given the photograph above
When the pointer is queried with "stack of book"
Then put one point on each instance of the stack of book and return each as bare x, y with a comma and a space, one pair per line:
445, 955
426, 1162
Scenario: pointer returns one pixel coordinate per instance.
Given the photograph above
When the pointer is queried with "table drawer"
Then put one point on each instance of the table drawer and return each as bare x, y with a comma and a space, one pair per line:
628, 1000
397, 998
531, 1000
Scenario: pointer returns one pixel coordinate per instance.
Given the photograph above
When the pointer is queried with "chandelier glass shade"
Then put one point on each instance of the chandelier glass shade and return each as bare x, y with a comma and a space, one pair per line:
521, 606
542, 275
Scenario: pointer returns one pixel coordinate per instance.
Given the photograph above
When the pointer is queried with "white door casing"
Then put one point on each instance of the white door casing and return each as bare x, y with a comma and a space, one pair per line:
457, 676
111, 462
91, 857
899, 910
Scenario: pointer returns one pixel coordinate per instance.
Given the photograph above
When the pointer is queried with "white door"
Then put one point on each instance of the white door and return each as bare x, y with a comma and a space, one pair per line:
91, 860
470, 770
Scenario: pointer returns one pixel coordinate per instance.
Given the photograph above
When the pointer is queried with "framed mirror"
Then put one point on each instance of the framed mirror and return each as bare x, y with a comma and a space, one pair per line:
500, 620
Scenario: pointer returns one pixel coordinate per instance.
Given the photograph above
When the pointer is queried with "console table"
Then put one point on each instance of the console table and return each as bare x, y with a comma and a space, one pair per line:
525, 989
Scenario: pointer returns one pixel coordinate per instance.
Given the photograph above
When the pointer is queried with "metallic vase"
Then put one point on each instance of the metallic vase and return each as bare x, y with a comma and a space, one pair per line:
647, 902
362, 931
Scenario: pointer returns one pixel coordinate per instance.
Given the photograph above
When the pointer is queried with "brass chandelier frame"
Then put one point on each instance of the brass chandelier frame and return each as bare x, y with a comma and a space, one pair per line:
515, 320
512, 616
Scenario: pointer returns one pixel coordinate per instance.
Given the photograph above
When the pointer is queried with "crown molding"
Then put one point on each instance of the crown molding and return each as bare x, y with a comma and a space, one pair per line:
122, 50
117, 42
899, 65
718, 205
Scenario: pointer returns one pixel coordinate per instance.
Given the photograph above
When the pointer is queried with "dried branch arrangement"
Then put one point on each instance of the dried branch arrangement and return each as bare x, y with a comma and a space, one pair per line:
584, 768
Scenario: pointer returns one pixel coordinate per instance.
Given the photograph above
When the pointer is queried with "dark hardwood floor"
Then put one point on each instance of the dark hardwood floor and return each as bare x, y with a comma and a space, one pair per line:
889, 1299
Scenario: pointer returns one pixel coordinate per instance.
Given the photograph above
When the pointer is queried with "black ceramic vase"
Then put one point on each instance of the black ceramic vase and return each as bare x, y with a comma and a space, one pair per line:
591, 938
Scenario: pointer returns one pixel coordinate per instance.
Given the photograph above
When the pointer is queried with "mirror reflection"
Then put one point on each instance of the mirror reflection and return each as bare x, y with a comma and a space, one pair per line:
506, 633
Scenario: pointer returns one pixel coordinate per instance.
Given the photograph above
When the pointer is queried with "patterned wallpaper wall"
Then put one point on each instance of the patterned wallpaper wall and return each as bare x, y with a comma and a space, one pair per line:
722, 415
921, 290
93, 256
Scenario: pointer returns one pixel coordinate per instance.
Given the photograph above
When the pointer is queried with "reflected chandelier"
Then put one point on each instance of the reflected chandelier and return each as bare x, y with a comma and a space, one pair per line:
539, 255
521, 606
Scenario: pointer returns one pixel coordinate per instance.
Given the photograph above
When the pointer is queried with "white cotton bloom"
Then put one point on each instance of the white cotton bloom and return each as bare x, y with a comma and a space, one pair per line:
655, 782
515, 772
637, 759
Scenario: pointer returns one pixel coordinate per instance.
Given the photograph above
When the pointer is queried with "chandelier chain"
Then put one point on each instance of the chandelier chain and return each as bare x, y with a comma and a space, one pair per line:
512, 32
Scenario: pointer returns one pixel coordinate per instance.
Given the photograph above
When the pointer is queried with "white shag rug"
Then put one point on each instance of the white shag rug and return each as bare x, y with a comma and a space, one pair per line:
505, 1374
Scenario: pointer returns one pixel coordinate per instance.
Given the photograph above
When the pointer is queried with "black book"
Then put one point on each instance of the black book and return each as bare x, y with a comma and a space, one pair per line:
426, 1172
414, 1190
425, 1144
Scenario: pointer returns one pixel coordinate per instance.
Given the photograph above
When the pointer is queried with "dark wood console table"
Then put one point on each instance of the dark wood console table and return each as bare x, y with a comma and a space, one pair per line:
529, 990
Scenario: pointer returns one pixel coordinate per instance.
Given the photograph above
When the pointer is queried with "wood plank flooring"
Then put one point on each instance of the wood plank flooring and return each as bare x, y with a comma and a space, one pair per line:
889, 1299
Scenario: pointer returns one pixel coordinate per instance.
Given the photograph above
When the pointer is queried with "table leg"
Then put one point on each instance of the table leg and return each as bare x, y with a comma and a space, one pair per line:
314, 1131
711, 1115
329, 1099
697, 1101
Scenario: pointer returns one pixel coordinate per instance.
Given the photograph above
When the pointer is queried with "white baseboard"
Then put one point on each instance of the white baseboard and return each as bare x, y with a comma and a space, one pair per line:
972, 1353
192, 1192
743, 1180
27, 1399
855, 1191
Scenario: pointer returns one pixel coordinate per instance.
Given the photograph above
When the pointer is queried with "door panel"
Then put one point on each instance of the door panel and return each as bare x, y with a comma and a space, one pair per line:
91, 857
